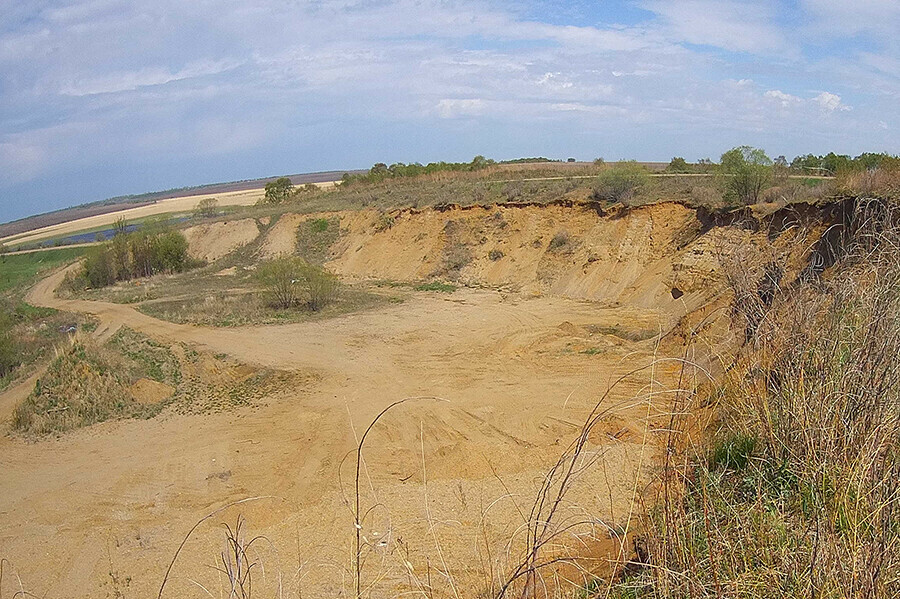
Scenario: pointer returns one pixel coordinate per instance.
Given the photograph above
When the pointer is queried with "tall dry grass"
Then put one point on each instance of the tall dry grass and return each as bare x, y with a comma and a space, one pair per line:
797, 491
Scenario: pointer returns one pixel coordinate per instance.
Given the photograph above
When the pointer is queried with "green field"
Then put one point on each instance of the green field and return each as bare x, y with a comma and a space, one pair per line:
21, 269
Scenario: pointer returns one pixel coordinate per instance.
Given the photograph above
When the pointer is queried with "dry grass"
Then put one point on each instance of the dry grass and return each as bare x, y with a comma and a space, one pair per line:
797, 492
85, 384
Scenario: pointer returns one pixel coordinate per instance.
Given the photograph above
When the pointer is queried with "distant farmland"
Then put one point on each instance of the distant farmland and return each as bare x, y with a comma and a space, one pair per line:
119, 203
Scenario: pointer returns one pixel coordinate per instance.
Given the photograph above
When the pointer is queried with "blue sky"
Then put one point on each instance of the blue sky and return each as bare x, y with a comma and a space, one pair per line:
109, 97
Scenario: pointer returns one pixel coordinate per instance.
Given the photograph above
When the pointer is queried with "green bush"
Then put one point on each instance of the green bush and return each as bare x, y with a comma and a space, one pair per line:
279, 279
678, 165
621, 182
289, 280
321, 287
206, 208
750, 172
278, 191
137, 254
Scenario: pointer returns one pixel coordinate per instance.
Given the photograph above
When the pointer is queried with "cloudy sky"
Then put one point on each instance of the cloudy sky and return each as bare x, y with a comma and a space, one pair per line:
109, 97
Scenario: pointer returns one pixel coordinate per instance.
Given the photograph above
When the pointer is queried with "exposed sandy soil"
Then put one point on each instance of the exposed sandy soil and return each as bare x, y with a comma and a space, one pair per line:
118, 497
516, 361
211, 241
282, 237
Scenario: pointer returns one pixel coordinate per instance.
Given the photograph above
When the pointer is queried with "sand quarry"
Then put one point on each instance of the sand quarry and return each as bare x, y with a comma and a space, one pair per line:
504, 370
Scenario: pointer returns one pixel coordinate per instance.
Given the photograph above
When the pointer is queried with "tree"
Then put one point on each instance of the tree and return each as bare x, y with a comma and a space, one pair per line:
279, 191
749, 171
207, 208
678, 165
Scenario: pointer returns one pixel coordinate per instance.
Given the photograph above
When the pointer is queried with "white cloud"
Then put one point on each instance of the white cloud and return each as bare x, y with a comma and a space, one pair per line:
727, 24
146, 77
845, 18
829, 102
782, 98
449, 108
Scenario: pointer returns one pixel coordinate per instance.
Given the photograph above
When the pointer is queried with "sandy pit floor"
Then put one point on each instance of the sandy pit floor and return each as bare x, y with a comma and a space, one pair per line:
445, 483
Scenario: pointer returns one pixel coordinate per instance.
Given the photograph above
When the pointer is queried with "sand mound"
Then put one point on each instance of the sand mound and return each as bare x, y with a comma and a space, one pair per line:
147, 391
282, 238
213, 240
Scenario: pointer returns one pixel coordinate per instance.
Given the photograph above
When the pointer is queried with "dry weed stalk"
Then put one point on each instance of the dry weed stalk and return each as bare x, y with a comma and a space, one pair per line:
543, 531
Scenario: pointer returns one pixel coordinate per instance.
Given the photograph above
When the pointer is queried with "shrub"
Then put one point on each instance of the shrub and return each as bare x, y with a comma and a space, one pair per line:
750, 172
620, 183
320, 286
207, 208
560, 240
278, 191
288, 280
678, 165
279, 279
495, 255
137, 254
384, 222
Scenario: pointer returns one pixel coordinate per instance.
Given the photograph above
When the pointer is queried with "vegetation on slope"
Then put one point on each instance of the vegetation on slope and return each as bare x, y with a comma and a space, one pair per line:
796, 492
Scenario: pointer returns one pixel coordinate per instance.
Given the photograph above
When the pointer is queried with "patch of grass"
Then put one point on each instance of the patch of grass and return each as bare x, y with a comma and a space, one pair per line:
84, 385
150, 358
87, 383
436, 286
315, 238
593, 351
23, 270
796, 492
231, 308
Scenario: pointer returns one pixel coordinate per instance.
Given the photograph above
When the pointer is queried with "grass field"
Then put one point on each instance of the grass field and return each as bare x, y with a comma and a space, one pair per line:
20, 270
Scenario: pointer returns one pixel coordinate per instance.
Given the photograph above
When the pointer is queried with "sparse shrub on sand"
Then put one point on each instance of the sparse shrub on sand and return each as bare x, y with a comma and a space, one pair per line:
560, 241
290, 281
315, 238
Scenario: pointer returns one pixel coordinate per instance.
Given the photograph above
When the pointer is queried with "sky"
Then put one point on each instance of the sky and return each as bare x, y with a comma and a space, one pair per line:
108, 97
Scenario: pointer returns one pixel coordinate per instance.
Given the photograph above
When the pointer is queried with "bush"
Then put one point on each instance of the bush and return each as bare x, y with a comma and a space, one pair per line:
620, 183
321, 287
137, 254
750, 172
279, 279
559, 241
278, 191
207, 208
678, 165
289, 280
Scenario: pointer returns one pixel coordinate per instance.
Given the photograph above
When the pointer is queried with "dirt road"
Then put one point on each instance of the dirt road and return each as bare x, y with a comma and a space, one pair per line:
101, 511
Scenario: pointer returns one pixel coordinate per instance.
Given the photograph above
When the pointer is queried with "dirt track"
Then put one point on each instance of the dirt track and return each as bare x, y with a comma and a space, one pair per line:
118, 497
